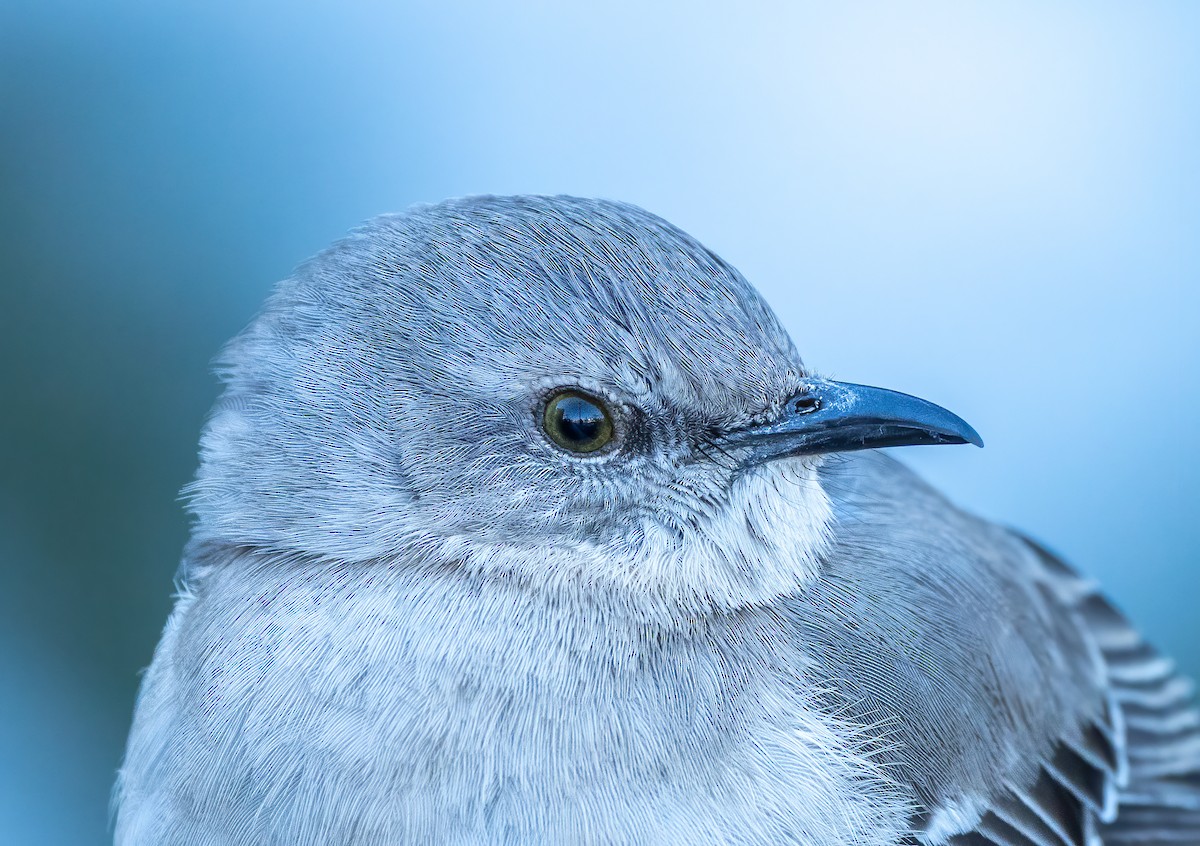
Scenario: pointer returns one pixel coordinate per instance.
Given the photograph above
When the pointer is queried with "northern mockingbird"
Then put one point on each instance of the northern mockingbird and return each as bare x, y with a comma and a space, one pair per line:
520, 521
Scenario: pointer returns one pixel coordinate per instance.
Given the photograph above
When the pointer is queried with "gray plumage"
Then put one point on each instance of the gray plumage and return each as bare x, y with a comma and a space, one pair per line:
408, 617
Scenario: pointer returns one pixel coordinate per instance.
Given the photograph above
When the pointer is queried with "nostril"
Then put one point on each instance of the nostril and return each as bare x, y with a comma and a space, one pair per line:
805, 405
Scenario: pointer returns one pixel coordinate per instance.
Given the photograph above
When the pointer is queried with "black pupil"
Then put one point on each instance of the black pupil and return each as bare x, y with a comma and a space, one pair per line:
579, 421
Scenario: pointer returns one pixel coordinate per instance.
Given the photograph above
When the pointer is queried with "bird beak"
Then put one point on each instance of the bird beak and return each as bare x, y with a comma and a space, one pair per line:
839, 417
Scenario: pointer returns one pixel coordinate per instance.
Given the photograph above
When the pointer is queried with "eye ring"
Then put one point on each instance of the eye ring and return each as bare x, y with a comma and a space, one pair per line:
577, 422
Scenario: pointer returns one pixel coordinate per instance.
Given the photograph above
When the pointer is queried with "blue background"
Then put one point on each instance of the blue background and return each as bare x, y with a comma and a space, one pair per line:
997, 208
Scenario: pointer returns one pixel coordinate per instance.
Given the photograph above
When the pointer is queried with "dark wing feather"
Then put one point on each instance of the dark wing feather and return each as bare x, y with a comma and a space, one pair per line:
1137, 772
1027, 711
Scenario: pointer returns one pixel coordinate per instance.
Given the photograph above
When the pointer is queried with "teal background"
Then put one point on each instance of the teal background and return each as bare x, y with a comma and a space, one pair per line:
993, 206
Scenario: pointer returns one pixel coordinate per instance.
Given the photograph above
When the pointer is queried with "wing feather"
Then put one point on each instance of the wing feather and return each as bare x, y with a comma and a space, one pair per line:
1132, 777
1024, 708
1124, 771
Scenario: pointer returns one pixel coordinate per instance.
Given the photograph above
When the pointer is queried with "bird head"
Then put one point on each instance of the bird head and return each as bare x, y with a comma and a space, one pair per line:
570, 394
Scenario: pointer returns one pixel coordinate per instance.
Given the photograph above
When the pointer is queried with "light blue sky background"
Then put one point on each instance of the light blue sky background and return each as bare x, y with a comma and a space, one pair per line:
993, 206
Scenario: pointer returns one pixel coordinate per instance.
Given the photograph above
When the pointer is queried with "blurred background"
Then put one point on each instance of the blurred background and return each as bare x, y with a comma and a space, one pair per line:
995, 208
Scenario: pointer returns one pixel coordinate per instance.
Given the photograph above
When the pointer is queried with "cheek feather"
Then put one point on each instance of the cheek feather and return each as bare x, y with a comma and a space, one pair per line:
763, 539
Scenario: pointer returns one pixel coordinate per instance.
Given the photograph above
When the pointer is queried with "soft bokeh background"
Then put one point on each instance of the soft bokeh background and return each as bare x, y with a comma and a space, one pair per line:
997, 208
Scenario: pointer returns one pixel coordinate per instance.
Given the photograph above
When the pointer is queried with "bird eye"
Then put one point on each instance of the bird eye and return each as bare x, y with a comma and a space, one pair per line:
577, 422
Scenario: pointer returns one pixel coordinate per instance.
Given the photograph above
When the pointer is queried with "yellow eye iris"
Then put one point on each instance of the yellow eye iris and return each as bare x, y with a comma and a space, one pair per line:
577, 422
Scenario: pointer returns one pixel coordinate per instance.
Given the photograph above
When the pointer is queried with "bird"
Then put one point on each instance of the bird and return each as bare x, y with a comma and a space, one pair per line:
520, 520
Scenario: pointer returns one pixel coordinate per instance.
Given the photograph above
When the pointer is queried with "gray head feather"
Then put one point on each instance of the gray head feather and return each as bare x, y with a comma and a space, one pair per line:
388, 395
